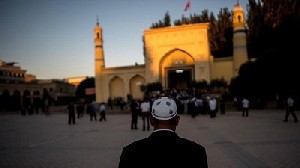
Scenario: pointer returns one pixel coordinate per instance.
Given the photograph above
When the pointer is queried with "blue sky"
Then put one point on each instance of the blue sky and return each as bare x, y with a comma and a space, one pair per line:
53, 39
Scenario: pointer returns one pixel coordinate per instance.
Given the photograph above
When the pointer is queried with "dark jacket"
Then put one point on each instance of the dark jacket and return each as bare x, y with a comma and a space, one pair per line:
163, 149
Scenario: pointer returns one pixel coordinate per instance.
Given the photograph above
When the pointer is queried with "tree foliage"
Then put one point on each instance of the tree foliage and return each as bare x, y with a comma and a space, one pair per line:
273, 31
87, 83
153, 86
166, 22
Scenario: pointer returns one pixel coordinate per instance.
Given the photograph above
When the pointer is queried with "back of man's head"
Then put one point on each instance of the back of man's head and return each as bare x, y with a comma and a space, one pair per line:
164, 108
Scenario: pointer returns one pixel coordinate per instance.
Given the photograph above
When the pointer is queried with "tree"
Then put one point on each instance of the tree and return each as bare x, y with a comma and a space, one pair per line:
89, 82
166, 22
151, 87
222, 35
273, 28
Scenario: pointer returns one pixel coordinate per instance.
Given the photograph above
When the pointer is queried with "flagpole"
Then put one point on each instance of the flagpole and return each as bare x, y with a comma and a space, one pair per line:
187, 7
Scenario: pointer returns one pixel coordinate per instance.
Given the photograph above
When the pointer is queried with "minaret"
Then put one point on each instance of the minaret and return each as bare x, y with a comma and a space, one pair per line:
240, 55
99, 62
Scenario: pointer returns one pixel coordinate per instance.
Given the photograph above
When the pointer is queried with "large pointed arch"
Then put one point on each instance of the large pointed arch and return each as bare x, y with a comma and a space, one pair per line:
176, 59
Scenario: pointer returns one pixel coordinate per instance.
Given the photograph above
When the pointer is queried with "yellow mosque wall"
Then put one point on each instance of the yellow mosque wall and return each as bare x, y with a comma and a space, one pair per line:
222, 68
123, 81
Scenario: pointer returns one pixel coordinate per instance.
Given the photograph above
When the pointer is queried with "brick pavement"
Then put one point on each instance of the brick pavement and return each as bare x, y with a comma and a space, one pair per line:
38, 141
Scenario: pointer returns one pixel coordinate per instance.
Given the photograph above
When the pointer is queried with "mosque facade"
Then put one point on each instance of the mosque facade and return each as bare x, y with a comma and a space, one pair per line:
174, 56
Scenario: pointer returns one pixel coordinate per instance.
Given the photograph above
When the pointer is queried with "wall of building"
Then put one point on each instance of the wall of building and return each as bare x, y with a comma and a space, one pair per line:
222, 68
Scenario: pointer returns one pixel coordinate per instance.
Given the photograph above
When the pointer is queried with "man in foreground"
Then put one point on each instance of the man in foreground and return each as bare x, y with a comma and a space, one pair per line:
163, 148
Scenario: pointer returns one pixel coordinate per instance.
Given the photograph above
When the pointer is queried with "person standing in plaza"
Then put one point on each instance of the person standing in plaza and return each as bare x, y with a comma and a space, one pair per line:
222, 106
164, 147
198, 103
80, 109
212, 107
110, 103
134, 109
91, 110
71, 109
102, 112
245, 105
145, 110
290, 109
46, 106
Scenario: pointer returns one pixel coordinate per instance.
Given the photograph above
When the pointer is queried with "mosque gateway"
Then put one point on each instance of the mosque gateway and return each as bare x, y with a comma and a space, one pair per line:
174, 56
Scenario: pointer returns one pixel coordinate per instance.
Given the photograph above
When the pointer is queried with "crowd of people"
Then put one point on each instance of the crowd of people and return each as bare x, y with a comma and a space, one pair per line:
187, 102
91, 109
192, 104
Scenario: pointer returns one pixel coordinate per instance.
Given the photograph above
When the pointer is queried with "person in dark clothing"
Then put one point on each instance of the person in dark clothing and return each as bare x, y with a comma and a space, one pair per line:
80, 109
134, 108
163, 148
110, 103
222, 106
71, 109
91, 109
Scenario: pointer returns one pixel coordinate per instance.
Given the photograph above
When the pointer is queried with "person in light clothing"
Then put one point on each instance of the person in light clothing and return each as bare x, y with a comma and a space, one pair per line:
145, 110
245, 104
102, 110
212, 107
290, 110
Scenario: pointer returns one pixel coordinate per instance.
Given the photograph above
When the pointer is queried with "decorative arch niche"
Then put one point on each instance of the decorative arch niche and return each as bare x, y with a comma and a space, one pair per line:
135, 84
117, 88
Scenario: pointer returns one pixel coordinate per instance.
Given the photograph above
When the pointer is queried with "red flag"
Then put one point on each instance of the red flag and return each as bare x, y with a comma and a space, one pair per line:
187, 5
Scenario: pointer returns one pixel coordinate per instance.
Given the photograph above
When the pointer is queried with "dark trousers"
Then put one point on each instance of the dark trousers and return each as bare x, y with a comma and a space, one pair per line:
212, 114
134, 119
71, 118
93, 116
292, 112
146, 122
102, 114
245, 112
222, 108
195, 111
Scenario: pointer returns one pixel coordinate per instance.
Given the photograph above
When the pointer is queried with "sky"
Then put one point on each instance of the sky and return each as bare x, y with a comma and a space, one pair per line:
53, 39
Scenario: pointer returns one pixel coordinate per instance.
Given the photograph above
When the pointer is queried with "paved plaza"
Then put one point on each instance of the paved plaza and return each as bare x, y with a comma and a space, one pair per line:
261, 140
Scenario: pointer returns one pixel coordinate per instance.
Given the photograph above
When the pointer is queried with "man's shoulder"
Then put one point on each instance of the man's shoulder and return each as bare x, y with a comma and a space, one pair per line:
137, 143
189, 142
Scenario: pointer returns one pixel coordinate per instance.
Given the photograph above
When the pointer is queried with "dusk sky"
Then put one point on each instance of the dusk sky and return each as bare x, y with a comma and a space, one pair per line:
53, 39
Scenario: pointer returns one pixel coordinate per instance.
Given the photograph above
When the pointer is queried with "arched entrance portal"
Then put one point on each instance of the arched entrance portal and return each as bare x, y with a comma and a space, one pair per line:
177, 69
180, 77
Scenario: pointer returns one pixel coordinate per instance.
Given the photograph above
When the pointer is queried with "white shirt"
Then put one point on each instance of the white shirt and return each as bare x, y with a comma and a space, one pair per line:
102, 107
198, 102
145, 107
245, 103
212, 105
290, 102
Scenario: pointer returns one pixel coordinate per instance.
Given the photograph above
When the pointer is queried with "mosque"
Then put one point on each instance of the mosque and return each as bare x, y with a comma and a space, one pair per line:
174, 56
